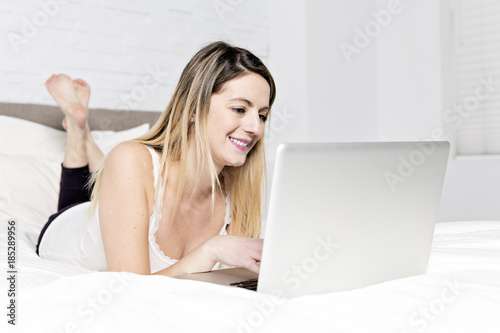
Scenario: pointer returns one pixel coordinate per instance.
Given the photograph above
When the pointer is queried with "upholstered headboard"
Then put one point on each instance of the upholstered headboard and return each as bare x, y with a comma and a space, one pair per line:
99, 119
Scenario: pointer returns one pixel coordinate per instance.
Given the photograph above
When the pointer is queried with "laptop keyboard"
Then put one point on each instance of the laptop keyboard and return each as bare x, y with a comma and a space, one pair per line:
247, 284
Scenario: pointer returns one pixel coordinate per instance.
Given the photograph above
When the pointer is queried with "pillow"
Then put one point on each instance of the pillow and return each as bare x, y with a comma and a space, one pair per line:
30, 167
29, 189
107, 140
25, 138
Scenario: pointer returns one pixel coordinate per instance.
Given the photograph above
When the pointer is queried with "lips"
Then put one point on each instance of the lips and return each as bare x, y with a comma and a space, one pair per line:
241, 144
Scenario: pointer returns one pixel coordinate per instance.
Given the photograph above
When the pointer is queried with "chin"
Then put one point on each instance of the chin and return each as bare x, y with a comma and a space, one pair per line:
236, 162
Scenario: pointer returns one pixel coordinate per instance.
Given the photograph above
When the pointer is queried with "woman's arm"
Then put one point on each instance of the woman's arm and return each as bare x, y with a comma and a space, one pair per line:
235, 251
123, 208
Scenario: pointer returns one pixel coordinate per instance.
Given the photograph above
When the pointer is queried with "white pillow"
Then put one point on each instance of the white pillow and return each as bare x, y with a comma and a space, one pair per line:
30, 167
25, 138
29, 189
107, 140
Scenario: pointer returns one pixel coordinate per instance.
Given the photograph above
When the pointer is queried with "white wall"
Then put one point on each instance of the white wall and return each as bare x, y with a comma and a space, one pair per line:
391, 86
342, 96
287, 63
414, 82
116, 45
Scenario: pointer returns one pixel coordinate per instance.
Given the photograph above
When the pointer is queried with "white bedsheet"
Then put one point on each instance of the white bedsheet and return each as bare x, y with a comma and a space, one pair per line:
460, 293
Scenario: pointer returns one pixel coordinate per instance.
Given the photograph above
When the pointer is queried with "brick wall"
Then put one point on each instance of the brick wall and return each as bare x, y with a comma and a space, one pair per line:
131, 52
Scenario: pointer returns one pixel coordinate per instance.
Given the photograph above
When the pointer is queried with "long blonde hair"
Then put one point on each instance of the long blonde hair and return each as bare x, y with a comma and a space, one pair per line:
206, 74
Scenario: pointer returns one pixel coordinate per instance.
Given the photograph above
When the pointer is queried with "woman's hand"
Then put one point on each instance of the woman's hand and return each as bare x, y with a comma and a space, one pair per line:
236, 251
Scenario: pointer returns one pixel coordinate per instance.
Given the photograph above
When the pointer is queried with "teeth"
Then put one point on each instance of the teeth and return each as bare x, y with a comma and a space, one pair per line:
238, 142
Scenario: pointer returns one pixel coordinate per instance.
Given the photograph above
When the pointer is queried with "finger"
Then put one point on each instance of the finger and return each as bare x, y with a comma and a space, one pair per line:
256, 251
256, 254
252, 266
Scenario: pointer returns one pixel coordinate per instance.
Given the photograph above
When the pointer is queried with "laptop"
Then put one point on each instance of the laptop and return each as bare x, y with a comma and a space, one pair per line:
344, 216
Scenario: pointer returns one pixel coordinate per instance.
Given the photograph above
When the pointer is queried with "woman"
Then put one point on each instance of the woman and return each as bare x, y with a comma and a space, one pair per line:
185, 196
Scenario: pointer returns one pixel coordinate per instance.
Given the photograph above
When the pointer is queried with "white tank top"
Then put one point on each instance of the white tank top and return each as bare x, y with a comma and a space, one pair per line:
70, 239
157, 259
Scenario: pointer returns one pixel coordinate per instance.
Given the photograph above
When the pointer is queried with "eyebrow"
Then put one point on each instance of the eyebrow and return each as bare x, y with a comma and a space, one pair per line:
250, 104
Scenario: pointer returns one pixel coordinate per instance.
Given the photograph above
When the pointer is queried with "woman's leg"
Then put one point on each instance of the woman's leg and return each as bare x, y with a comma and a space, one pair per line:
82, 155
73, 97
73, 190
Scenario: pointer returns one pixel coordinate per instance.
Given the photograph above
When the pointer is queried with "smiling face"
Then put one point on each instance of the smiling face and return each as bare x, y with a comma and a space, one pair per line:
236, 119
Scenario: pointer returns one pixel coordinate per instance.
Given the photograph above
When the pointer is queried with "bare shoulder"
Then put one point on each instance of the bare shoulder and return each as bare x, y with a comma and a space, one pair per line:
129, 160
130, 154
128, 172
130, 150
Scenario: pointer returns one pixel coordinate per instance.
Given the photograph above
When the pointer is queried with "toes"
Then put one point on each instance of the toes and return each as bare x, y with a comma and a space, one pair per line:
50, 79
60, 76
57, 77
81, 82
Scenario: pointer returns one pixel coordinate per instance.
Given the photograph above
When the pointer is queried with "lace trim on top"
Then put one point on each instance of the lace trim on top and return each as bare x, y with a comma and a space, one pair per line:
157, 206
157, 215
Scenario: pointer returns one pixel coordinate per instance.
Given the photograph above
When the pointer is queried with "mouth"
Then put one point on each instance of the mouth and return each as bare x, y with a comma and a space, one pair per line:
240, 143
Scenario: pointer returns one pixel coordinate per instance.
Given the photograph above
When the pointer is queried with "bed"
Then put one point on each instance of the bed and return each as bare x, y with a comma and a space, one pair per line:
459, 293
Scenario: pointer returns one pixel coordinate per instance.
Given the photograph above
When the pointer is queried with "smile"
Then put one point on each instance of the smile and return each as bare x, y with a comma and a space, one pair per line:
239, 143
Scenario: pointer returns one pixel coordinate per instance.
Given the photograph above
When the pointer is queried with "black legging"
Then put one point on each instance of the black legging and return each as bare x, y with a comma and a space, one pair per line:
73, 190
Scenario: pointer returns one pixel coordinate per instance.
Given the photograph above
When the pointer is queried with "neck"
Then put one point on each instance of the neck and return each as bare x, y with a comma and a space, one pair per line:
193, 190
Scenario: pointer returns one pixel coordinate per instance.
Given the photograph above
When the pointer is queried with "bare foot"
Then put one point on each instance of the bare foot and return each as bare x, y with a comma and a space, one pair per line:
82, 90
61, 88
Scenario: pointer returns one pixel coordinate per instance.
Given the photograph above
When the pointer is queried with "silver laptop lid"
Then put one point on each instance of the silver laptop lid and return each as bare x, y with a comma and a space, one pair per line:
348, 215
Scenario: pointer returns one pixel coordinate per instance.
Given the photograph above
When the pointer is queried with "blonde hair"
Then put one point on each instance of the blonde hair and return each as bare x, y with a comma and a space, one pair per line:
206, 74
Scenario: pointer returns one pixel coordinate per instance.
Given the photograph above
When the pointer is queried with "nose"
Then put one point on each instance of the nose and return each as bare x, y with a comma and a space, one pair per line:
253, 125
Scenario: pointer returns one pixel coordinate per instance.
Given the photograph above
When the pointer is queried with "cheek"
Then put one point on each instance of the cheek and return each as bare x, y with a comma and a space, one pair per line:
218, 136
262, 131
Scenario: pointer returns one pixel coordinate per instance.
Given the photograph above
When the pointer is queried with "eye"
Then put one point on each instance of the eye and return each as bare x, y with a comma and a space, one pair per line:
239, 110
263, 117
